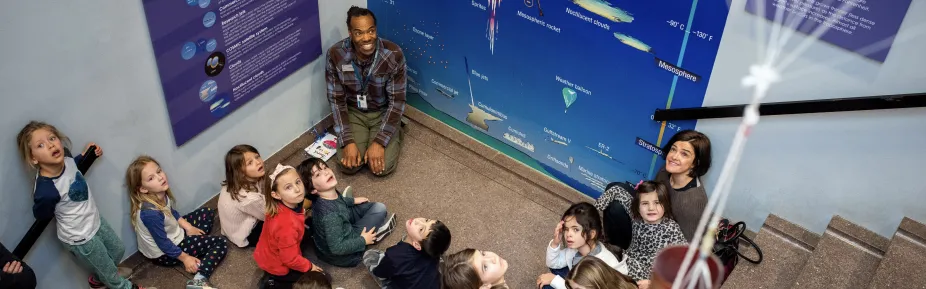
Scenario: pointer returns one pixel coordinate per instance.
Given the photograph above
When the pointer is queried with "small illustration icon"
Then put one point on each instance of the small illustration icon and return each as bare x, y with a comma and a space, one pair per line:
569, 96
188, 50
209, 19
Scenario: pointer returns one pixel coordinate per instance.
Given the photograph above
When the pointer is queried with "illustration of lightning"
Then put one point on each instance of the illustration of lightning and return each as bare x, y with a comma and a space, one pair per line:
476, 116
603, 154
492, 25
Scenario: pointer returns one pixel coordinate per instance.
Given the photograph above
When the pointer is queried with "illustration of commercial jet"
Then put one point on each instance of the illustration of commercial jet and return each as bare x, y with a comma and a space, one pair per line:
633, 42
605, 10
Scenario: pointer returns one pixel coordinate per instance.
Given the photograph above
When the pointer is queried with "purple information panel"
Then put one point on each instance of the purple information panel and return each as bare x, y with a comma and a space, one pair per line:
866, 27
213, 56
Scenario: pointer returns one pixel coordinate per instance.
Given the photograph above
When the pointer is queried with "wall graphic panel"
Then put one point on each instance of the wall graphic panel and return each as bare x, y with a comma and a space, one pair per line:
571, 85
215, 55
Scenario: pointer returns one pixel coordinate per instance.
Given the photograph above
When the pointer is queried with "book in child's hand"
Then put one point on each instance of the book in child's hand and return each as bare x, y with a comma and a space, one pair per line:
385, 229
324, 147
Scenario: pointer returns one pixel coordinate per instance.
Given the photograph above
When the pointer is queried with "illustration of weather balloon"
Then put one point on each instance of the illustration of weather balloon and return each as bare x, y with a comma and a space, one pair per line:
569, 97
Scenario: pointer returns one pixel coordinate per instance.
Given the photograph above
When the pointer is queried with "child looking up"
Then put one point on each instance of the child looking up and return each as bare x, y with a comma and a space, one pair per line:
61, 192
241, 203
576, 236
342, 225
473, 269
592, 273
278, 252
414, 262
164, 237
653, 229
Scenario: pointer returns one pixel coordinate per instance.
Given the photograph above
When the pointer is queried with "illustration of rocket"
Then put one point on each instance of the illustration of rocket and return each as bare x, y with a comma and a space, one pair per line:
605, 10
448, 95
633, 42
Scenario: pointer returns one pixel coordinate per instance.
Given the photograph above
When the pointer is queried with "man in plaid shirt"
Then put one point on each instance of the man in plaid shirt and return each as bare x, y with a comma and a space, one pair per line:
366, 88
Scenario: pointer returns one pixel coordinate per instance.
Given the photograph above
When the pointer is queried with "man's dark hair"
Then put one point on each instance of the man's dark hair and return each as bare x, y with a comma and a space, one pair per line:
438, 240
355, 11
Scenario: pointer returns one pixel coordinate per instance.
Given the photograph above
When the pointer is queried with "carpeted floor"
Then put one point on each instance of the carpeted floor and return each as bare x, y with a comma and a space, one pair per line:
485, 206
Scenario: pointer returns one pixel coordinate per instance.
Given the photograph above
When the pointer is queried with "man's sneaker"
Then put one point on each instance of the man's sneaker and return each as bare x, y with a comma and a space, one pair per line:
385, 229
198, 284
124, 272
94, 283
348, 192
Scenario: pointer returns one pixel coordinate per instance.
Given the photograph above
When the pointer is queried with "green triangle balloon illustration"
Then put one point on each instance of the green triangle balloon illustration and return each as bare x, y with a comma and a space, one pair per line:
569, 96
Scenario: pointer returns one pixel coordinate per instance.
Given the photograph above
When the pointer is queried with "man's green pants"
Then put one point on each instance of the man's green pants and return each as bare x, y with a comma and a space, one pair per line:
364, 126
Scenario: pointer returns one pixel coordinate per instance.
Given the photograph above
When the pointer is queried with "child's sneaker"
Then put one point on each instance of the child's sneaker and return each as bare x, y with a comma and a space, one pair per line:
348, 192
198, 284
94, 283
385, 229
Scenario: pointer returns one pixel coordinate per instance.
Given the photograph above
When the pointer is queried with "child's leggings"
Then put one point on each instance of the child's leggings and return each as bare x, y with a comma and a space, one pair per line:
210, 250
102, 253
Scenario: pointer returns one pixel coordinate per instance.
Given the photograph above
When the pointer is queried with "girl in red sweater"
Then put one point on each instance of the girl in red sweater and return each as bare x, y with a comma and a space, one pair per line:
278, 252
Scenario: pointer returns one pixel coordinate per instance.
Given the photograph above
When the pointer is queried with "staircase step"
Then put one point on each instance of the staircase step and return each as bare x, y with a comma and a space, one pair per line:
785, 246
846, 257
902, 264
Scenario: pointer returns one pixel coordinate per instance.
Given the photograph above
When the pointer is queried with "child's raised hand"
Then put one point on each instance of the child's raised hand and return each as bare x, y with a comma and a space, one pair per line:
557, 233
98, 151
360, 200
368, 236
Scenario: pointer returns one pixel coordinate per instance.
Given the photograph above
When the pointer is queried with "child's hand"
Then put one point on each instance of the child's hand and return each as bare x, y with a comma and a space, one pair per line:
368, 236
98, 151
13, 267
545, 279
360, 200
316, 268
191, 264
643, 284
194, 231
557, 234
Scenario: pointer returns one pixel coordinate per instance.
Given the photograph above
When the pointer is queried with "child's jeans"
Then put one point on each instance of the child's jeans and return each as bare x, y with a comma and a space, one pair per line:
371, 259
367, 215
210, 250
562, 272
102, 254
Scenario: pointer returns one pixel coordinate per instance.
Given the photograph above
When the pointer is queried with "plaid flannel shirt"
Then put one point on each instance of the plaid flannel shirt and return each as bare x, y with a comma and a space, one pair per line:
385, 88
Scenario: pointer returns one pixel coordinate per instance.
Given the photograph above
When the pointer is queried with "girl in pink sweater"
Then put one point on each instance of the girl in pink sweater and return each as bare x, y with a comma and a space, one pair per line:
241, 203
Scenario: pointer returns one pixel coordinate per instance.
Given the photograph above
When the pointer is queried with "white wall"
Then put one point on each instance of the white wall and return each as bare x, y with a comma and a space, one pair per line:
88, 68
865, 166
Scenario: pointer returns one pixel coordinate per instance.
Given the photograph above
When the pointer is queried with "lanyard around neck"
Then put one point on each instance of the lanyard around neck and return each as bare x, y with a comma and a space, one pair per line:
365, 80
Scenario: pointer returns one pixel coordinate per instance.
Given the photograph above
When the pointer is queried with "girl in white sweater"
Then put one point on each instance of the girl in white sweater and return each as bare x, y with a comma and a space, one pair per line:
241, 203
576, 236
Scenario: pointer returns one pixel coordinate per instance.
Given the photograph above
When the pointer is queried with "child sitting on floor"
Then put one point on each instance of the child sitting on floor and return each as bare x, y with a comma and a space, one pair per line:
414, 262
342, 225
575, 236
653, 229
278, 252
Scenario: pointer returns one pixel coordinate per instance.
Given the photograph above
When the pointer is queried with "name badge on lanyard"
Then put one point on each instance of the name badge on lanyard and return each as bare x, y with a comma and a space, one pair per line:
362, 96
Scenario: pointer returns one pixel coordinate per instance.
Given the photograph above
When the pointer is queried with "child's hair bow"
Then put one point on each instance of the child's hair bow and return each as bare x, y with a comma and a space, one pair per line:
279, 169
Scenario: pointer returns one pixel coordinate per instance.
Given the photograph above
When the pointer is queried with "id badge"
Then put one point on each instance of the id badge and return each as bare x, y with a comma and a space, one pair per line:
361, 101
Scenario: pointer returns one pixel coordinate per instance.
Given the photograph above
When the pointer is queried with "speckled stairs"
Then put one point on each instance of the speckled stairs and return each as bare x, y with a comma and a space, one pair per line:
845, 256
785, 247
904, 263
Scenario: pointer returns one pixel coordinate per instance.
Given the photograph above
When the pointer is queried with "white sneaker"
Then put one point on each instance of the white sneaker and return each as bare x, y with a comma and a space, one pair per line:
199, 284
385, 229
348, 192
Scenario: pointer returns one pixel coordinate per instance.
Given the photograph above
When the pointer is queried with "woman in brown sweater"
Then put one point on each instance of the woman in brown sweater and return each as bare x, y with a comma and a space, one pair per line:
688, 157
